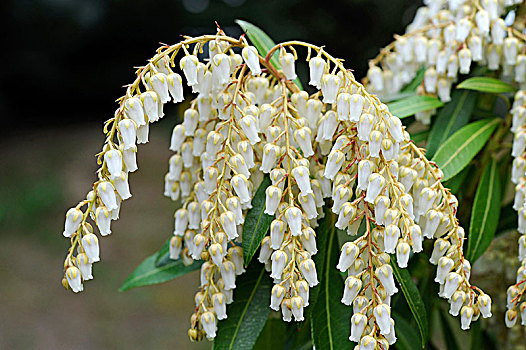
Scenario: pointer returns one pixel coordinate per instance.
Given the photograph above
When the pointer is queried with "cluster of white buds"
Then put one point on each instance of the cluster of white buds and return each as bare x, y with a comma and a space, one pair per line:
247, 122
516, 292
445, 38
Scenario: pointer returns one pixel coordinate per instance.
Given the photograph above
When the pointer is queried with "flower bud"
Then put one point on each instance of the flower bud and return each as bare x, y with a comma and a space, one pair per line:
175, 247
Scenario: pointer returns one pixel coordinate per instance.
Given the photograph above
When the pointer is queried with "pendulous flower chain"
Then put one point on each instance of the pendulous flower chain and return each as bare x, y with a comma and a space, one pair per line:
339, 146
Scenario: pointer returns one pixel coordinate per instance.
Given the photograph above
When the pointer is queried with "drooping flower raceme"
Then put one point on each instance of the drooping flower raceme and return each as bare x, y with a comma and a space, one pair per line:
339, 146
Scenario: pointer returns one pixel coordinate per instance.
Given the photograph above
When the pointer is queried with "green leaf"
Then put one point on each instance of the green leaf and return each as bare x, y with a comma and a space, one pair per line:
248, 313
263, 43
272, 336
147, 273
413, 85
454, 154
420, 136
163, 253
455, 183
448, 335
323, 231
452, 117
408, 338
330, 321
476, 337
485, 212
486, 84
411, 105
413, 298
256, 223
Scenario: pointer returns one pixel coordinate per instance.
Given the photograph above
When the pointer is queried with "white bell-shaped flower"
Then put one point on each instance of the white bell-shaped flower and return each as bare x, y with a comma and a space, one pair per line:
128, 133
134, 110
440, 248
347, 213
129, 157
510, 318
228, 273
247, 152
374, 187
175, 247
375, 140
90, 243
456, 301
365, 126
301, 175
221, 69
272, 199
219, 303
113, 161
277, 232
189, 66
208, 320
210, 177
286, 310
181, 221
466, 315
294, 218
194, 216
445, 265
150, 101
228, 223
498, 31
463, 29
484, 304
190, 120
175, 87
376, 77
159, 84
348, 255
343, 106
73, 220
351, 289
279, 260
452, 283
84, 266
382, 316
308, 240
122, 186
308, 269
276, 296
303, 137
103, 220
358, 323
249, 126
385, 274
402, 254
106, 193
214, 141
178, 137
431, 222
297, 308
464, 60
74, 278
238, 164
482, 21
303, 291
234, 205
317, 69
251, 57
240, 184
330, 84
334, 164
391, 235
270, 157
356, 104
341, 195
287, 65
216, 253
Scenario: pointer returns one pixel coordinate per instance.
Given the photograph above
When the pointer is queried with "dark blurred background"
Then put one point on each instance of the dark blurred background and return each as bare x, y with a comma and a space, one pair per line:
63, 65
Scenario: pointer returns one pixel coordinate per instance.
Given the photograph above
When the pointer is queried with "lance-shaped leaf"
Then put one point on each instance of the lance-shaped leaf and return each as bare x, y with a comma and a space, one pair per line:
485, 212
452, 117
420, 136
256, 223
147, 273
463, 145
407, 337
163, 254
263, 43
330, 318
486, 84
413, 298
417, 80
248, 313
411, 105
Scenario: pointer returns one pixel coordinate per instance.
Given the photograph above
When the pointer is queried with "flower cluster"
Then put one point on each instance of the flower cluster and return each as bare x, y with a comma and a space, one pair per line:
518, 177
444, 39
340, 145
